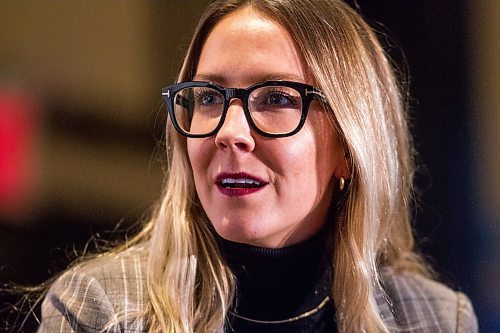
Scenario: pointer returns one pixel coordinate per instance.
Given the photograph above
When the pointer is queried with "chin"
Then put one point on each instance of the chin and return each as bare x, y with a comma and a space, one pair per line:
242, 232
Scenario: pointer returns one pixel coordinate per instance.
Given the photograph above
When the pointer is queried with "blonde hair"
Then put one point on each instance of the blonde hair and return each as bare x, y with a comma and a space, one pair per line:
189, 285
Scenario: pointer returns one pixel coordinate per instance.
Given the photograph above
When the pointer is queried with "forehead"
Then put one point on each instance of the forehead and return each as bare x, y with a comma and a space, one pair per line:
246, 47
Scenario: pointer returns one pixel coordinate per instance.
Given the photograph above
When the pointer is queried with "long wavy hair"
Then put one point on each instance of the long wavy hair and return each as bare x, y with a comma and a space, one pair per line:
190, 286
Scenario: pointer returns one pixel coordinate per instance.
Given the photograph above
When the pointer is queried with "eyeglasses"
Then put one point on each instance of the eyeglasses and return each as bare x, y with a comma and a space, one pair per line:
272, 108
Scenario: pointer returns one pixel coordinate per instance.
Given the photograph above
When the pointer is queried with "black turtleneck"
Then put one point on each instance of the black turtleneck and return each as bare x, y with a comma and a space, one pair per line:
277, 284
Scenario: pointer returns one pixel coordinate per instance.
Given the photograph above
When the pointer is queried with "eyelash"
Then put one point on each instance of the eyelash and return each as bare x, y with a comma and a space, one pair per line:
199, 93
281, 93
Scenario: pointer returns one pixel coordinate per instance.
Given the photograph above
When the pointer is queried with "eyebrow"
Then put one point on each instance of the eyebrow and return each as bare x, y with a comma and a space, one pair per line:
220, 79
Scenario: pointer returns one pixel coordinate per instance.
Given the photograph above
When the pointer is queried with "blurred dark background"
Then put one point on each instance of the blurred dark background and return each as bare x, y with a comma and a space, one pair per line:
80, 123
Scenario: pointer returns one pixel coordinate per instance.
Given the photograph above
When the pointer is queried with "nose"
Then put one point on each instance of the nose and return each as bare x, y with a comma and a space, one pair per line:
235, 133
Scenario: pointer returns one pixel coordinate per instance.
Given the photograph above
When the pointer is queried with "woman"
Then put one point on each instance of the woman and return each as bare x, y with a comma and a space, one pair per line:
286, 207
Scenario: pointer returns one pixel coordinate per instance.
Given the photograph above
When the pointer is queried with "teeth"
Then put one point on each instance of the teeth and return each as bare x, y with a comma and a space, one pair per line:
240, 181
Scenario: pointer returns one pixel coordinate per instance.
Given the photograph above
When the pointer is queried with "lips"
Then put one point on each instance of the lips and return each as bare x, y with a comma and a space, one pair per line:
238, 184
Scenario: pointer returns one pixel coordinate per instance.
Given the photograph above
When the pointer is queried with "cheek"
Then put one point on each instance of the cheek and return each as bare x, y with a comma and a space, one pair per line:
329, 153
316, 161
305, 164
198, 157
192, 151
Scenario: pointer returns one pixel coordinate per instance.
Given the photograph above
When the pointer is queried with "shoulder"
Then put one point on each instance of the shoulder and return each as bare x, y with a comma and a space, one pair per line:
95, 294
421, 304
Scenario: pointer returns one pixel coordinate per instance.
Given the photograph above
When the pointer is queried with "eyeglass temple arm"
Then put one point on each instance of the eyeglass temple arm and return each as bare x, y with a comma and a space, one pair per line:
317, 95
179, 100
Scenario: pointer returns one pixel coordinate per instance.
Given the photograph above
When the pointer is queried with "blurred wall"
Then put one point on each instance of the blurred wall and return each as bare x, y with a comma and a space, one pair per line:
97, 69
484, 51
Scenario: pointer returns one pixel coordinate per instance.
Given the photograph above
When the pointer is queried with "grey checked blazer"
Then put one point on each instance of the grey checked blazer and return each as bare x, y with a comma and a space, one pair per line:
102, 291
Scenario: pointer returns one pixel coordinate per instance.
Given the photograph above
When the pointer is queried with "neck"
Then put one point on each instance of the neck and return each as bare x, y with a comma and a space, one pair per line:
273, 284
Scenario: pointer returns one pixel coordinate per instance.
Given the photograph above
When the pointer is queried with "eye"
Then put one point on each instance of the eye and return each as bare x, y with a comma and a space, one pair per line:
278, 99
207, 97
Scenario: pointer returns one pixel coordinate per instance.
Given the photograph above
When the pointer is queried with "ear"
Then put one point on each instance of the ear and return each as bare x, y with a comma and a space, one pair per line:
343, 166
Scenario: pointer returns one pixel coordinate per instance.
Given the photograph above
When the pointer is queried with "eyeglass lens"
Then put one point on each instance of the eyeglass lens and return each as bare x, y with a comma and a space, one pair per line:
273, 109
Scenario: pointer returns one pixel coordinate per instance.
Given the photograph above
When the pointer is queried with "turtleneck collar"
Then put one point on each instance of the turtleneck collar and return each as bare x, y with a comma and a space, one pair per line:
275, 284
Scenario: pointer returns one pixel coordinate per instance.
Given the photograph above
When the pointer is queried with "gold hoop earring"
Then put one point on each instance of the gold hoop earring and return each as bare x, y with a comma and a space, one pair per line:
341, 183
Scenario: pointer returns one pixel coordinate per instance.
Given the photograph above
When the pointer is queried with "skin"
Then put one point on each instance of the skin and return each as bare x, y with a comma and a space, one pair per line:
243, 49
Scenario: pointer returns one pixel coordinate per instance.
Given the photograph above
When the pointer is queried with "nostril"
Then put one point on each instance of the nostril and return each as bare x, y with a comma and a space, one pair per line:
220, 144
235, 141
241, 145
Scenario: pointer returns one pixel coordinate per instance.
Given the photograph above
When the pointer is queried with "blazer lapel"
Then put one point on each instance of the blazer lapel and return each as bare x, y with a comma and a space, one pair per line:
385, 308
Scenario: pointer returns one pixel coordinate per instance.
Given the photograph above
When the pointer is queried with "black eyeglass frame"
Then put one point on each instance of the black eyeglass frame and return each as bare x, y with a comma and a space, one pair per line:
307, 93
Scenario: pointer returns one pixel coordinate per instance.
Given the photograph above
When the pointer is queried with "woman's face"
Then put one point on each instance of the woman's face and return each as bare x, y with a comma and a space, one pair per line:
296, 173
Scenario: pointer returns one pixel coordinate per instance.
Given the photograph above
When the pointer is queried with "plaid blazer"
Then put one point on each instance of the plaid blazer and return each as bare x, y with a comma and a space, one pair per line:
106, 295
